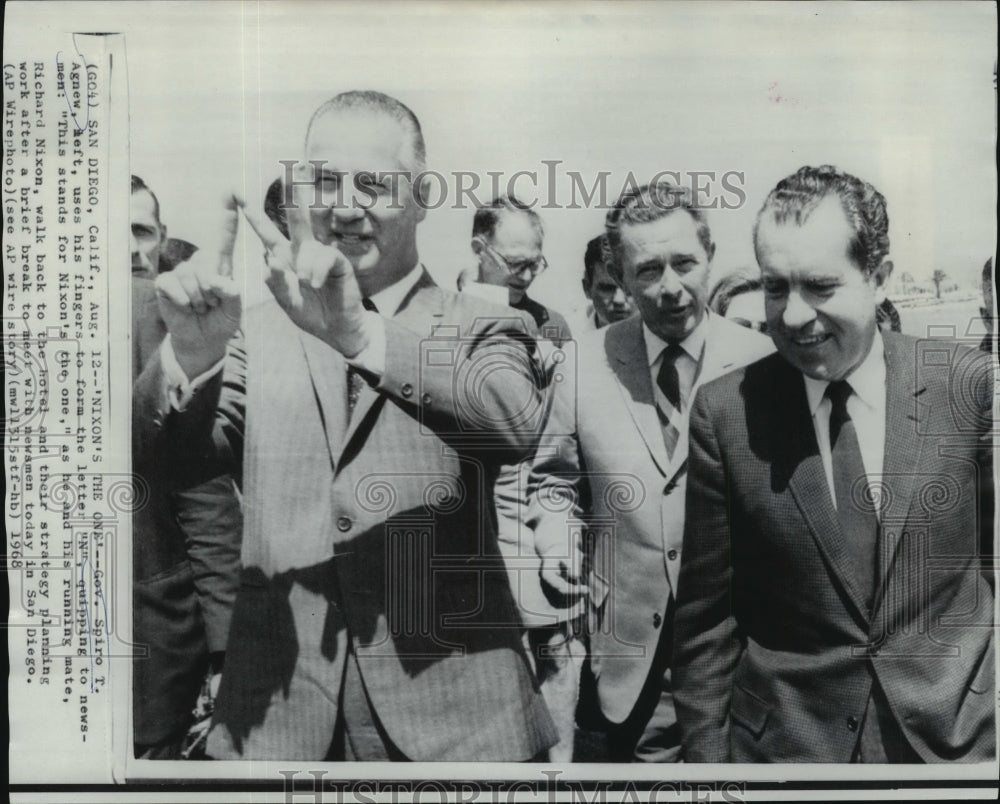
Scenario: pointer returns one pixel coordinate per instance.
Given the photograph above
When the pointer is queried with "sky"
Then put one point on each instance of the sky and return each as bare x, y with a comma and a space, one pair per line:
900, 94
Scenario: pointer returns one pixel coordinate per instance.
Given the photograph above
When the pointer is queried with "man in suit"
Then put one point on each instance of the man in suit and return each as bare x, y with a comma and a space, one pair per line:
507, 238
632, 386
368, 411
832, 606
185, 556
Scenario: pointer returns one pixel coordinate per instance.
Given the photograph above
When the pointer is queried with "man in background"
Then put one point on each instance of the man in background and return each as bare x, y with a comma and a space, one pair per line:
609, 302
507, 239
186, 545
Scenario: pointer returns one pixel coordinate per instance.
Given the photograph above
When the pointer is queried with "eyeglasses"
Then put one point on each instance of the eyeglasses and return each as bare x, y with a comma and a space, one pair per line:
534, 266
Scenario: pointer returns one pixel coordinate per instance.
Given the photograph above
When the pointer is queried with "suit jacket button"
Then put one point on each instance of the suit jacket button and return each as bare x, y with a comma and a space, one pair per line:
407, 390
426, 399
672, 555
852, 723
344, 524
657, 620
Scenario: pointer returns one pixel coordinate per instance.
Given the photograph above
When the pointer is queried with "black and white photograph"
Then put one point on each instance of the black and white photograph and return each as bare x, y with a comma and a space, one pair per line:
569, 401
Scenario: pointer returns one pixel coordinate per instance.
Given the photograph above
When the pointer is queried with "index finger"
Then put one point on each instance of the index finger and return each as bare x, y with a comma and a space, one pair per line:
270, 235
228, 226
303, 194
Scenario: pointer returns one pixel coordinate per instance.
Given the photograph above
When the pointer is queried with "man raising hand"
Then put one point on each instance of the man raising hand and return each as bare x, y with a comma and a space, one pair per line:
374, 613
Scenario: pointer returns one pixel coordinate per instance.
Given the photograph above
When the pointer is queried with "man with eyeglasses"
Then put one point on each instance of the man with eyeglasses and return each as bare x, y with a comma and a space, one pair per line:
507, 237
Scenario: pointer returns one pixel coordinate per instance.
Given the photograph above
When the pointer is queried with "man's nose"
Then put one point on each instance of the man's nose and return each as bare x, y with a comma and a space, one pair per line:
618, 298
350, 210
798, 312
670, 284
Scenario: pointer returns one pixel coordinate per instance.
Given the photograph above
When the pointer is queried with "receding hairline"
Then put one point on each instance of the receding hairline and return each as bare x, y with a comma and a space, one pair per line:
411, 149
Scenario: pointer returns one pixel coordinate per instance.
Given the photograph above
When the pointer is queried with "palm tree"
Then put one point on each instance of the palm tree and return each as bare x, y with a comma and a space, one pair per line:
937, 278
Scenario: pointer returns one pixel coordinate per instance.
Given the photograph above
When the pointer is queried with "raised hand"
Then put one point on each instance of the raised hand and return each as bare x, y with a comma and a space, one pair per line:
200, 302
313, 282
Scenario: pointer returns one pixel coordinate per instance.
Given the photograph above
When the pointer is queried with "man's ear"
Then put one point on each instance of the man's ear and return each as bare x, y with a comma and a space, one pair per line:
880, 278
477, 245
420, 194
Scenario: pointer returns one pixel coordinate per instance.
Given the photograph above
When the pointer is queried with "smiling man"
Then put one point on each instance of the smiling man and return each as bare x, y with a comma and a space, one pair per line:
367, 412
832, 605
632, 388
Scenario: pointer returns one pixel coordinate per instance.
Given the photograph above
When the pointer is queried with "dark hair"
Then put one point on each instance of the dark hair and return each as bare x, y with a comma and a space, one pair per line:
647, 204
274, 206
795, 198
484, 222
731, 286
595, 255
138, 186
887, 314
371, 101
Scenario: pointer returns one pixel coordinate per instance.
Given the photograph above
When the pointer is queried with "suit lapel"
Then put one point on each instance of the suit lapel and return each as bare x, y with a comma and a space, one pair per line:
807, 481
904, 418
625, 350
328, 373
417, 309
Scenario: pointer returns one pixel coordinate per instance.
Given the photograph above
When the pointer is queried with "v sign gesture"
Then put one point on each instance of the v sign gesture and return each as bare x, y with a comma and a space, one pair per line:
314, 283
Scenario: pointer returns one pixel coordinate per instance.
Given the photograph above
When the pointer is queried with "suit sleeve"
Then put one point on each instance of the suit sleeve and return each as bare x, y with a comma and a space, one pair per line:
481, 385
212, 520
706, 640
553, 478
204, 440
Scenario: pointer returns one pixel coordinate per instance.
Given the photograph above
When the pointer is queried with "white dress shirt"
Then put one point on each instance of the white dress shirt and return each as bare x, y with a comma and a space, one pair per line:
687, 365
866, 407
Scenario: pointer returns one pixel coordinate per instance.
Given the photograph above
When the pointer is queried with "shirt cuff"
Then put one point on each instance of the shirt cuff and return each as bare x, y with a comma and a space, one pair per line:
180, 390
371, 359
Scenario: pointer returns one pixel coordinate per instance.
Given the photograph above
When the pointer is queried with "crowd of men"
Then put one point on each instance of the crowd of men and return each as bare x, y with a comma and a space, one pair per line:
390, 521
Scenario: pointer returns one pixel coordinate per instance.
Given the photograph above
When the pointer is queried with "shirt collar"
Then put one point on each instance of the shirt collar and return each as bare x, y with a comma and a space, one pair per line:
388, 299
692, 344
867, 380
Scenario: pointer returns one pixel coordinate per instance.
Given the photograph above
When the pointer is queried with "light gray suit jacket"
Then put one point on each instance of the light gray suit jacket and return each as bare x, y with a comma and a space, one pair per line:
631, 492
379, 529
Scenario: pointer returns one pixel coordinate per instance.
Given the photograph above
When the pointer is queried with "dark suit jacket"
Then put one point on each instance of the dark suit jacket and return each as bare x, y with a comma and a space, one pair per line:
185, 561
775, 651
381, 528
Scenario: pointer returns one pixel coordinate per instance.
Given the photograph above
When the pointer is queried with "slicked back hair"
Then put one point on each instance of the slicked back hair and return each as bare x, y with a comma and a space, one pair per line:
795, 198
379, 103
646, 204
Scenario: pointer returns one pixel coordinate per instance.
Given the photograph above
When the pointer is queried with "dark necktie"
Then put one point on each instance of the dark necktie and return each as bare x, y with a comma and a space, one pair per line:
355, 382
669, 383
855, 511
